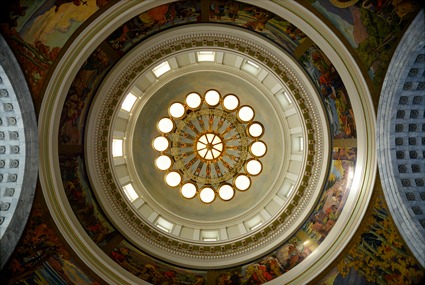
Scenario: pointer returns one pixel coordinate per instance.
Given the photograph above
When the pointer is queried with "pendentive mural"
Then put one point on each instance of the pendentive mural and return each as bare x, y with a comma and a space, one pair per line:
37, 30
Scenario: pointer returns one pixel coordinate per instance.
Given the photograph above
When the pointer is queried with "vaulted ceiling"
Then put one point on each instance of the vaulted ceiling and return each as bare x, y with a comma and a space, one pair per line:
308, 90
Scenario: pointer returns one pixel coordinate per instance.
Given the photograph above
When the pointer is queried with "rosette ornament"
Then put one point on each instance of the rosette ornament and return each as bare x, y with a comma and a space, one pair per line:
210, 146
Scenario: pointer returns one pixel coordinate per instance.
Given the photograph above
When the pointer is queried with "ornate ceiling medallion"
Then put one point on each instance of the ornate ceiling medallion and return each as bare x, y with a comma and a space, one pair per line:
210, 146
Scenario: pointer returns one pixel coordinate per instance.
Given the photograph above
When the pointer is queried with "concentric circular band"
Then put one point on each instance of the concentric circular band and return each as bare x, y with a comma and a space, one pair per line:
304, 113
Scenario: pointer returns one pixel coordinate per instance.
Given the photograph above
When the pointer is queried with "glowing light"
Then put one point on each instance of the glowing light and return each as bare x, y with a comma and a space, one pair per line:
212, 98
165, 125
230, 102
253, 167
246, 114
117, 149
206, 56
163, 162
301, 139
255, 130
164, 224
160, 69
209, 239
173, 179
193, 100
242, 182
207, 195
188, 190
258, 148
290, 190
177, 110
162, 228
256, 226
226, 192
251, 67
161, 143
130, 192
209, 146
128, 102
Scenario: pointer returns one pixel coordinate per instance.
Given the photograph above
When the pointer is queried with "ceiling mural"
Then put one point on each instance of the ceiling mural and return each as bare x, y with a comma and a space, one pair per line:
370, 26
378, 256
38, 31
43, 257
153, 21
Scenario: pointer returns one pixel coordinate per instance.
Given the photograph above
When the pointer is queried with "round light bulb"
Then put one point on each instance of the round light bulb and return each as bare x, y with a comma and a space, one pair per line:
173, 178
242, 182
161, 143
193, 100
165, 125
258, 148
255, 130
188, 190
212, 98
246, 114
207, 195
254, 167
230, 102
177, 110
226, 192
163, 162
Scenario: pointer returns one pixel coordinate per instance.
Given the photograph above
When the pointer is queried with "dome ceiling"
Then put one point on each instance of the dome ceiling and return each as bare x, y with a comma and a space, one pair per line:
318, 167
277, 199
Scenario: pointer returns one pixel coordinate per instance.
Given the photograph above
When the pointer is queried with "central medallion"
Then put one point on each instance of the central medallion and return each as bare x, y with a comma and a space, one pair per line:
210, 145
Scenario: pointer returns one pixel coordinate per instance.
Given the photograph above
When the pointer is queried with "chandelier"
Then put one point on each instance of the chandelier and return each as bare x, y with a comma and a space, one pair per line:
209, 145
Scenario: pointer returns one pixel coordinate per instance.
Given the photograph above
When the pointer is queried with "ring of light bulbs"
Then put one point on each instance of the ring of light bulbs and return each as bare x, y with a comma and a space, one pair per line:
209, 145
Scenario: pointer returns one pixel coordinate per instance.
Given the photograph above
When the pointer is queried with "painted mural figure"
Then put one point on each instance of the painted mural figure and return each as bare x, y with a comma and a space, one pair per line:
273, 266
235, 278
261, 18
232, 10
58, 3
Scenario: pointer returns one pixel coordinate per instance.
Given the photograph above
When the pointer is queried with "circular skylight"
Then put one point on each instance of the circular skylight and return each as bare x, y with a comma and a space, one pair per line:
209, 146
